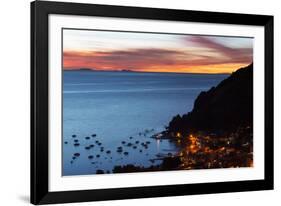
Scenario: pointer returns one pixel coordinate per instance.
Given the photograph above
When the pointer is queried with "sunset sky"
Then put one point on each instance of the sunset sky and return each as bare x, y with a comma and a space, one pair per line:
154, 52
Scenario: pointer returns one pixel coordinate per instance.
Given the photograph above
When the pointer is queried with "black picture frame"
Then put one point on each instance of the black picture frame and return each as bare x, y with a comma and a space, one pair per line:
40, 113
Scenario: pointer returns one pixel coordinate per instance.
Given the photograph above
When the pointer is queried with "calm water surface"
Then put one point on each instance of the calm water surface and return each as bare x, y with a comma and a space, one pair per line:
122, 106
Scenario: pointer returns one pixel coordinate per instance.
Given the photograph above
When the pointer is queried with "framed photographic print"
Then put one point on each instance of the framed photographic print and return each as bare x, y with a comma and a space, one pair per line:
131, 102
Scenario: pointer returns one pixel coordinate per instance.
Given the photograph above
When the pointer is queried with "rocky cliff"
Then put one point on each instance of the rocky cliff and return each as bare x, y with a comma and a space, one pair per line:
225, 107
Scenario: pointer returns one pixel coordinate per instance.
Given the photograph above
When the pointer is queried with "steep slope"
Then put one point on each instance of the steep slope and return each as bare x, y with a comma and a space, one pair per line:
225, 107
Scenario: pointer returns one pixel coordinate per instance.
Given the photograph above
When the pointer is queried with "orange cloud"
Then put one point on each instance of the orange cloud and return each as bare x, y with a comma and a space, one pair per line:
162, 60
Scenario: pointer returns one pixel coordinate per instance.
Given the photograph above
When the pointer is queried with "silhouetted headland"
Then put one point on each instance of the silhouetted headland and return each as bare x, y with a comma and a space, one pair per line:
222, 108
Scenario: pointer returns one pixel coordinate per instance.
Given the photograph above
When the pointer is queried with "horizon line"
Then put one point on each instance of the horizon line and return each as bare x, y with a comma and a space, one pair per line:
132, 71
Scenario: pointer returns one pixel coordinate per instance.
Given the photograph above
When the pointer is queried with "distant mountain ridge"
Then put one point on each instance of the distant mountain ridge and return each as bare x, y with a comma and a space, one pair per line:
99, 70
223, 108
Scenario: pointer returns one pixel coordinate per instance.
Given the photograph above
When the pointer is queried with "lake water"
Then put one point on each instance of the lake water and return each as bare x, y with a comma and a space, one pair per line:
122, 106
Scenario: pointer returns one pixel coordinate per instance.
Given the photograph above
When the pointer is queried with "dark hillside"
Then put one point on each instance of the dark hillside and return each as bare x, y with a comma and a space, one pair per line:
223, 108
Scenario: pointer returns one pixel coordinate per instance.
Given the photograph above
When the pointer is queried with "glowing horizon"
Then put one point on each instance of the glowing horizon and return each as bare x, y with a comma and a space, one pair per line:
154, 52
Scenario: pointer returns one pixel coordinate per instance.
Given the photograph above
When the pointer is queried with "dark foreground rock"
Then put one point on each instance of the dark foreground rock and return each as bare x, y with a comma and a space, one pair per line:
225, 107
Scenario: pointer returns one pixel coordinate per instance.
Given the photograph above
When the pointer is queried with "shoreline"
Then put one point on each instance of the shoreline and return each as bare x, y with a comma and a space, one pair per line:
202, 152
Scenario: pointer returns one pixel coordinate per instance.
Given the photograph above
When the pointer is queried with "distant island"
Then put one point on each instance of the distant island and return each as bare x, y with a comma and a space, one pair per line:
83, 69
99, 70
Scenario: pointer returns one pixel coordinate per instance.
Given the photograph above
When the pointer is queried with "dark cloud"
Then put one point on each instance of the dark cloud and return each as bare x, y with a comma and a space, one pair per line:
234, 55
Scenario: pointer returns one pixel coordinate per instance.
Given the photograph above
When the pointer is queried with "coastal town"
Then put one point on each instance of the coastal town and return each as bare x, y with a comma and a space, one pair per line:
203, 151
